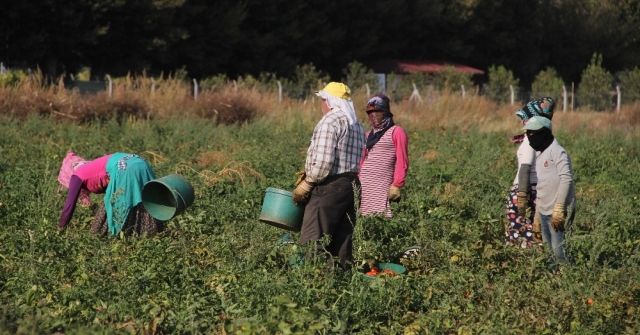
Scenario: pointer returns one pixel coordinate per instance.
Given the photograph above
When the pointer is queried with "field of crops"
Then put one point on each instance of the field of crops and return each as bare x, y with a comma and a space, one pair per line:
217, 270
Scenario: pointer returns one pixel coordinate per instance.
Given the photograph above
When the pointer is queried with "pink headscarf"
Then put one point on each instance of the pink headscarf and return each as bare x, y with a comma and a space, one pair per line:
69, 165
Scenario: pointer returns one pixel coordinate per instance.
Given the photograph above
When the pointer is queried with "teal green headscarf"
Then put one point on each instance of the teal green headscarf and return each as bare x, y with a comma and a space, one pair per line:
127, 175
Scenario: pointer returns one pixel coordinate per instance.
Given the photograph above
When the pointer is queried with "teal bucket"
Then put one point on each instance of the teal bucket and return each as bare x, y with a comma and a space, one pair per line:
167, 197
279, 210
396, 268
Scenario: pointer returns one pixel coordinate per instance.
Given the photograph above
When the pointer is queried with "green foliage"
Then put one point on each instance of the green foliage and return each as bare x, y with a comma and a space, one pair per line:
403, 87
451, 80
12, 77
84, 74
180, 74
594, 90
307, 80
500, 83
218, 81
217, 269
630, 85
547, 84
358, 76
250, 37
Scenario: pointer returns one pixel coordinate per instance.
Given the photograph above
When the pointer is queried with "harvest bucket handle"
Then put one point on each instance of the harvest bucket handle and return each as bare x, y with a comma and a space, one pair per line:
184, 203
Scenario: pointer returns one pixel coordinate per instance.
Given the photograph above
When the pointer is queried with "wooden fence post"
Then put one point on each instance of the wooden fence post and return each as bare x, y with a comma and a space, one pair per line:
415, 93
195, 89
564, 98
618, 99
110, 86
512, 94
463, 91
573, 91
279, 92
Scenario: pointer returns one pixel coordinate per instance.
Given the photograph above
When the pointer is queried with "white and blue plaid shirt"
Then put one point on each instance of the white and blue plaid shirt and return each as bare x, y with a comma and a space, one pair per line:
336, 147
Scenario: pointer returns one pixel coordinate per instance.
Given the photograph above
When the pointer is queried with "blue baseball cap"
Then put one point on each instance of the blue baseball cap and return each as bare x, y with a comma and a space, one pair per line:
537, 123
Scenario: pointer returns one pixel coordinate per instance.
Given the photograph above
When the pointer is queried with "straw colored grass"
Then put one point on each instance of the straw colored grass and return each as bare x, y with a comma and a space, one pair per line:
143, 97
210, 159
233, 171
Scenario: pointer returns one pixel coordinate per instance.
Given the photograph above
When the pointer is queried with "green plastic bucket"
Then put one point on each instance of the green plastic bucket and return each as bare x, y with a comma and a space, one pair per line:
167, 197
396, 268
279, 210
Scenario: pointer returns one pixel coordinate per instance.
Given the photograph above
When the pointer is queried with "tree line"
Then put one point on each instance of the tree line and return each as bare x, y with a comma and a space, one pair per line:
252, 37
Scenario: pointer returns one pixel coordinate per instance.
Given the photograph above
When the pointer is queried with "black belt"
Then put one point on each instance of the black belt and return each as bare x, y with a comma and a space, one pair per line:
346, 174
341, 175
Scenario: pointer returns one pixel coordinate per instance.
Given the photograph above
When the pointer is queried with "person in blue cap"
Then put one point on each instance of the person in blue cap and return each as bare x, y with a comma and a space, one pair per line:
556, 191
523, 226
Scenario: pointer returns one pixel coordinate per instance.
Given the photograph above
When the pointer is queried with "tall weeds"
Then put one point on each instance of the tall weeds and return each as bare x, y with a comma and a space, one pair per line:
162, 98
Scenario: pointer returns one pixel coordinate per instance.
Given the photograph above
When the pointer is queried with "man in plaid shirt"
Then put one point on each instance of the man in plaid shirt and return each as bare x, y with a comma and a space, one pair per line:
331, 173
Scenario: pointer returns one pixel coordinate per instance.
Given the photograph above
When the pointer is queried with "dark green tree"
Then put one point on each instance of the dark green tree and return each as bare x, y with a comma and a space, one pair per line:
501, 81
51, 35
547, 84
630, 85
595, 86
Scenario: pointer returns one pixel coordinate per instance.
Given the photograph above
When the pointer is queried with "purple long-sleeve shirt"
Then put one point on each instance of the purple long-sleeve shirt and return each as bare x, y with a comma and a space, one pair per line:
91, 176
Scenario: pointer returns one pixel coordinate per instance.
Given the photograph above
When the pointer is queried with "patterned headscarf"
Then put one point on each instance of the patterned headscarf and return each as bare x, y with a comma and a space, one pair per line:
541, 106
379, 102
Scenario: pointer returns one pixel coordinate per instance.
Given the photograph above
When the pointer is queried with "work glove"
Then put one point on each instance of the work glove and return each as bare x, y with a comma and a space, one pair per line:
558, 217
536, 230
302, 174
394, 194
522, 204
301, 193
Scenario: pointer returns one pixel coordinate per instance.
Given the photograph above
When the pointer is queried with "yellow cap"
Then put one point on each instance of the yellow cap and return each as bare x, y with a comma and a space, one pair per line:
338, 90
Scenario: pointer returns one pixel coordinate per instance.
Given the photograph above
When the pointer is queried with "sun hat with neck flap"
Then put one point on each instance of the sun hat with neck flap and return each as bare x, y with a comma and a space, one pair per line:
338, 95
338, 90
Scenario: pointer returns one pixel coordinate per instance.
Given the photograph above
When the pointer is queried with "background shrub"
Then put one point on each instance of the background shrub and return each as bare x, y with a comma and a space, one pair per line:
451, 80
306, 81
500, 80
11, 77
357, 76
213, 82
547, 84
630, 85
402, 85
595, 86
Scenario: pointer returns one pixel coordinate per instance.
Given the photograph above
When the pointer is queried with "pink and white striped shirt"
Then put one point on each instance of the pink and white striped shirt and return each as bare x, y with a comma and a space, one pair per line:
386, 164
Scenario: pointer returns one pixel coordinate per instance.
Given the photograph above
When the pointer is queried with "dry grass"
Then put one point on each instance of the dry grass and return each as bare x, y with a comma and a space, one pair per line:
233, 171
142, 97
210, 159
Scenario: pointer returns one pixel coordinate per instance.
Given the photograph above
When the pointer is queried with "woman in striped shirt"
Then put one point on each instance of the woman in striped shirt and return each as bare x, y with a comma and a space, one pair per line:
385, 161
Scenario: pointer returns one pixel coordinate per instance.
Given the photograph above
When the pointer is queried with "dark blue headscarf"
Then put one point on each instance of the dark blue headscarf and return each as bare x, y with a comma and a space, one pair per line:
379, 103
